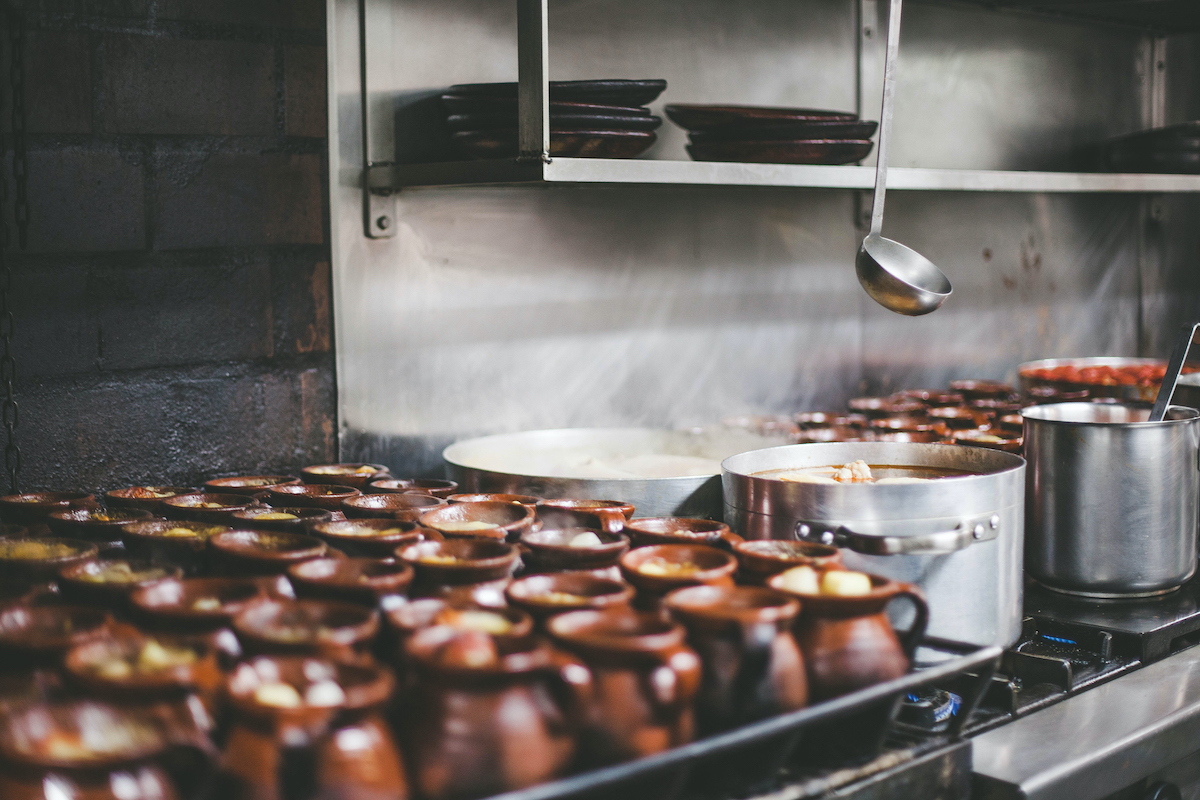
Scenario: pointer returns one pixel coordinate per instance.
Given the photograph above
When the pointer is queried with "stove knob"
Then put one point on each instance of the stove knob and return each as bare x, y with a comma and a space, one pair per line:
1162, 791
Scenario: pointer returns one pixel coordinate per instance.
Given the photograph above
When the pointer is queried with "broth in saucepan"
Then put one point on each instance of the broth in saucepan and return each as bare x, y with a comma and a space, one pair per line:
861, 472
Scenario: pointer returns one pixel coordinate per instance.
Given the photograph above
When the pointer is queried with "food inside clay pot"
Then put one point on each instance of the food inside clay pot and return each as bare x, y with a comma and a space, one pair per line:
833, 583
466, 526
120, 572
473, 619
35, 550
151, 658
663, 568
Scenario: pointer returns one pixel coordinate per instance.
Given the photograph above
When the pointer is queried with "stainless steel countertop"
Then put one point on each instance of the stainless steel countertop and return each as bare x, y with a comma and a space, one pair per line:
1097, 742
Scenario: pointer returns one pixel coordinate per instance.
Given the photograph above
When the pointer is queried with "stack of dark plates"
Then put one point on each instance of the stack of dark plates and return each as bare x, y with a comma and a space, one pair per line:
1174, 149
588, 119
768, 135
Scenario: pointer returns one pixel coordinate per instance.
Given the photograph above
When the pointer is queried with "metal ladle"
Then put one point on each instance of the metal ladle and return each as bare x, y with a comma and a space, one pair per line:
1183, 345
898, 278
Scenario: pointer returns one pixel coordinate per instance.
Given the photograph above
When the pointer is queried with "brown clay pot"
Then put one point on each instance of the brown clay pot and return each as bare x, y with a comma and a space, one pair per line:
39, 636
9, 531
95, 524
402, 622
264, 518
39, 557
149, 498
335, 747
848, 642
400, 507
319, 628
752, 664
435, 487
354, 580
715, 568
487, 718
356, 474
371, 538
981, 390
217, 509
644, 679
181, 543
95, 583
33, 508
606, 515
543, 596
680, 530
475, 563
759, 559
550, 550
263, 552
510, 520
527, 500
959, 419
248, 484
328, 496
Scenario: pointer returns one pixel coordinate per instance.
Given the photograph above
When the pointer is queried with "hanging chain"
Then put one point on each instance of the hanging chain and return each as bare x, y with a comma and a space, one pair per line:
8, 364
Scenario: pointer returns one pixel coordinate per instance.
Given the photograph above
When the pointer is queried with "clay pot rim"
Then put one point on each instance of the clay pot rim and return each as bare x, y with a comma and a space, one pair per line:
303, 514
374, 690
254, 622
399, 576
395, 501
230, 484
630, 561
123, 494
518, 655
981, 388
142, 529
183, 676
752, 551
83, 550
522, 622
80, 518
468, 512
587, 504
505, 554
526, 500
152, 743
72, 575
677, 526
609, 542
147, 599
232, 543
620, 593
356, 464
408, 530
59, 498
288, 491
883, 589
229, 502
96, 624
436, 487
599, 631
713, 603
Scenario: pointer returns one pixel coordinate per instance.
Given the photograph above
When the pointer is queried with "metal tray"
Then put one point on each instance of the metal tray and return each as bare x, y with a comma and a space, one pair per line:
846, 730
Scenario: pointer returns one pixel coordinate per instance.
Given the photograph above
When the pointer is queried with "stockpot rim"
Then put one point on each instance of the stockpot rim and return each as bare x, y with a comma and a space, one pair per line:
1192, 415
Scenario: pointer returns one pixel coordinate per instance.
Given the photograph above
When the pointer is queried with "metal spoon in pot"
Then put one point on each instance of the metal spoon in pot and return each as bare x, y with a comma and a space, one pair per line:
898, 278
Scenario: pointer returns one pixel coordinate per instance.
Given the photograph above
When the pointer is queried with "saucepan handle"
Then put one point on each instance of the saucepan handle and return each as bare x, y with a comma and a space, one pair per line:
920, 619
968, 532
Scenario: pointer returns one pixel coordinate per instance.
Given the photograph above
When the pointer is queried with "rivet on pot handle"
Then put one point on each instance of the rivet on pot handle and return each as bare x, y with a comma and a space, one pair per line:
968, 532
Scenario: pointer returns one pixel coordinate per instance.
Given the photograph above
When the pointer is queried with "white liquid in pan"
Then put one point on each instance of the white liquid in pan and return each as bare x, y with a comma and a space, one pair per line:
861, 472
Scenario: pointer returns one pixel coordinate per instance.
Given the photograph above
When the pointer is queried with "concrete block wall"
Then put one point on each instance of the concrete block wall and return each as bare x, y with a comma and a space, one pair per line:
173, 309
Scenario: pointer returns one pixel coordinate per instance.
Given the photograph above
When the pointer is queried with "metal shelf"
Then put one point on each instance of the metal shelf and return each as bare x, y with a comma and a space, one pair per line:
700, 173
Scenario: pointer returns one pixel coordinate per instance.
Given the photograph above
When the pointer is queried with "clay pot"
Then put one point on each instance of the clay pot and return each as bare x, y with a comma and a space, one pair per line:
550, 550
758, 560
959, 419
148, 498
328, 496
95, 524
41, 558
216, 509
489, 719
263, 552
509, 520
715, 568
106, 585
606, 515
933, 398
32, 508
197, 604
543, 596
39, 636
8, 531
333, 744
399, 507
752, 664
357, 474
848, 642
681, 530
402, 622
297, 520
181, 543
321, 628
876, 407
476, 563
354, 580
981, 390
434, 487
371, 538
125, 766
993, 440
527, 500
248, 484
644, 679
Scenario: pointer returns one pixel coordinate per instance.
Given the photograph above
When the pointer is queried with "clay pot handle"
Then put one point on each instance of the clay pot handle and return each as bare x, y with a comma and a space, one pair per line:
676, 679
612, 520
917, 632
571, 681
728, 540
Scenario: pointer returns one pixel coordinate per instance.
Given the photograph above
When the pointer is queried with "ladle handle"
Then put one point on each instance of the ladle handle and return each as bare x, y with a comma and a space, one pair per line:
1179, 355
885, 116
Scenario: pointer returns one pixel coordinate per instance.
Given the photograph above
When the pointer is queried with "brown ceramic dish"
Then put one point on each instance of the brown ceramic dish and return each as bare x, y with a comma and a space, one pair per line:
922, 437
248, 484
1012, 425
149, 498
93, 667
543, 596
264, 552
95, 524
354, 580
285, 520
416, 615
758, 560
565, 144
993, 440
696, 116
696, 564
977, 390
108, 584
180, 542
958, 418
910, 423
356, 474
507, 520
591, 506
527, 500
328, 496
377, 538
827, 419
875, 407
34, 507
605, 515
550, 550
306, 627
198, 603
431, 486
39, 557
203, 507
460, 561
994, 407
933, 398
798, 151
680, 530
407, 507
41, 635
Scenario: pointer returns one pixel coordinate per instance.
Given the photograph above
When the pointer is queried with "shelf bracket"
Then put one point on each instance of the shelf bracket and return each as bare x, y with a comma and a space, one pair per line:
378, 117
533, 76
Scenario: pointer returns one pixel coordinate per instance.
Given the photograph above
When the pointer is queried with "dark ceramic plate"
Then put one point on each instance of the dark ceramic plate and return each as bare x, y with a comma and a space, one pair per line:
558, 122
787, 131
470, 104
702, 117
811, 151
565, 144
617, 92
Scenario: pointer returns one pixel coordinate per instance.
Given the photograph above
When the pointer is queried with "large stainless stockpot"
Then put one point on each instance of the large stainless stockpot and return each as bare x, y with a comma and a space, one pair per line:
1112, 498
959, 538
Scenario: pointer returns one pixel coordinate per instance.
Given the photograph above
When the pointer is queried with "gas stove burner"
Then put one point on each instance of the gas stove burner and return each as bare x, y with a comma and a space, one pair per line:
1060, 647
930, 709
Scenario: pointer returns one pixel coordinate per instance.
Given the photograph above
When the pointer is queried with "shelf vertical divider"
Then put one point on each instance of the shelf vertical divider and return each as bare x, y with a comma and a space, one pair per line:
533, 77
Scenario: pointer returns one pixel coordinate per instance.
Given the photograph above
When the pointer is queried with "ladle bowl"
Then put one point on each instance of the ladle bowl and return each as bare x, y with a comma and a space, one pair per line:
899, 278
